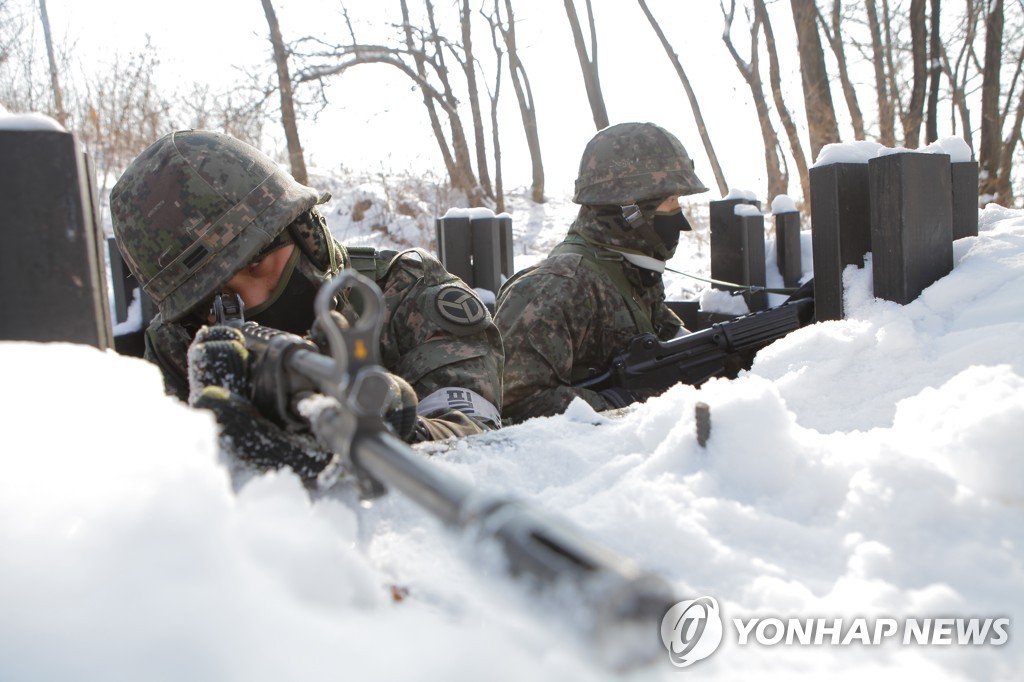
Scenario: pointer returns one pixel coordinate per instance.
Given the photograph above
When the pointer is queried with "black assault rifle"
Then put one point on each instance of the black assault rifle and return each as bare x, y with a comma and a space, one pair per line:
341, 398
720, 350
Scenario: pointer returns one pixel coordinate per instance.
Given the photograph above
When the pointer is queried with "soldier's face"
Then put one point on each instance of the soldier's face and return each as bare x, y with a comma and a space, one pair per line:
255, 282
670, 204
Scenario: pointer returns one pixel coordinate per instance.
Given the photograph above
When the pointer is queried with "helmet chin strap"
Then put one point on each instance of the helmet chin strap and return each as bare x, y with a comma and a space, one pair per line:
636, 220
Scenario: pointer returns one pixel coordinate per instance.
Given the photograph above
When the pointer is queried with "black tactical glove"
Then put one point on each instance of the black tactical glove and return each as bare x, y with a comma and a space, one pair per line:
219, 382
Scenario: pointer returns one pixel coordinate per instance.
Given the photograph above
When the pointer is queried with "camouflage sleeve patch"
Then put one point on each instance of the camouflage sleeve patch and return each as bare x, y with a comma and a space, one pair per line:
456, 308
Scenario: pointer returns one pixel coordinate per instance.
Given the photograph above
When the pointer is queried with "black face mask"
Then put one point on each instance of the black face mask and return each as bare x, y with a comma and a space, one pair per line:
290, 307
668, 226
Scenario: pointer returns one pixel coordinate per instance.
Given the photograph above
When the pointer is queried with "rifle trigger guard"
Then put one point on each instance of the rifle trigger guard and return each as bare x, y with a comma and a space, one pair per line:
354, 347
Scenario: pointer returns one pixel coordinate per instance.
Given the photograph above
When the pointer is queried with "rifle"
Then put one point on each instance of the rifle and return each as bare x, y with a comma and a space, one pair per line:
341, 398
648, 363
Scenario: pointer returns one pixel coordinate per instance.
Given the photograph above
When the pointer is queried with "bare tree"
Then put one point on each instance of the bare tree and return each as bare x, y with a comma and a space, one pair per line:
524, 94
775, 78
958, 71
834, 36
774, 160
499, 55
284, 84
119, 112
1004, 186
886, 126
991, 124
420, 57
913, 115
934, 76
468, 63
588, 62
821, 114
702, 129
58, 95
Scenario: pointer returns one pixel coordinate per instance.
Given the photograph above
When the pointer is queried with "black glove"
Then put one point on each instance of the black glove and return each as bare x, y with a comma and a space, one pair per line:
219, 382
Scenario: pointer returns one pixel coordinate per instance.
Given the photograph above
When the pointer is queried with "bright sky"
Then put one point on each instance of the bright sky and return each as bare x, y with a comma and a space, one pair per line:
376, 118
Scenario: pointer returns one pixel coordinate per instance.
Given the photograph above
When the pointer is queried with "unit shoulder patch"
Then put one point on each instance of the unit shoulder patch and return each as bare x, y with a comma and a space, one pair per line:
460, 306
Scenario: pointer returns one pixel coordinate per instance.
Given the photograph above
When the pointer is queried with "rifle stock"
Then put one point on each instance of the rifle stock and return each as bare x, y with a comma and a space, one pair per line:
623, 604
648, 363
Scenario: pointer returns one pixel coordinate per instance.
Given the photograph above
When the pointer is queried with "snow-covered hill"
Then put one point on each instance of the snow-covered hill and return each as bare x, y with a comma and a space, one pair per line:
870, 467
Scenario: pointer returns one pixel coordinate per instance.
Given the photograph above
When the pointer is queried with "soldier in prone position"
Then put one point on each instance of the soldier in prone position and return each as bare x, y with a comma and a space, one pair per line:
564, 319
200, 213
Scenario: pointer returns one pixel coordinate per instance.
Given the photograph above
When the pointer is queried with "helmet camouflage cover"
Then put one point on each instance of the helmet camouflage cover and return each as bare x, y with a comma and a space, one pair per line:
630, 162
194, 208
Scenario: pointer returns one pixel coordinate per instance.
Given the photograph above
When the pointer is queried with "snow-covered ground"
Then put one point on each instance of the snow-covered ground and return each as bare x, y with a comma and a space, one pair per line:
868, 471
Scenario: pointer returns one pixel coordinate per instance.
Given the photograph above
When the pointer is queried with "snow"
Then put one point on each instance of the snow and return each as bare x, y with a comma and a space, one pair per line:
869, 467
479, 213
783, 204
740, 194
746, 210
863, 151
28, 121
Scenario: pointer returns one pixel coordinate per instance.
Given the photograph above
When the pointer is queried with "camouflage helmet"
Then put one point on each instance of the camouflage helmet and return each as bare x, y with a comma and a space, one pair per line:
630, 162
194, 208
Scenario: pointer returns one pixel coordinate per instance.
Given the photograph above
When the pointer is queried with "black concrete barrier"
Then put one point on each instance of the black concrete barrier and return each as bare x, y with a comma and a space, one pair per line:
476, 246
840, 229
51, 263
737, 249
965, 198
911, 223
787, 247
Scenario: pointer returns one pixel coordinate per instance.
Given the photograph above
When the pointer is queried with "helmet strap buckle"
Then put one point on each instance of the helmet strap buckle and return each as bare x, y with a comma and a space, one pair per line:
633, 216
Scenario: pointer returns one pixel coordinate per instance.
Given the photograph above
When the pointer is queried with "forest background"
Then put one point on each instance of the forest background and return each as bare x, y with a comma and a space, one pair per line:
471, 100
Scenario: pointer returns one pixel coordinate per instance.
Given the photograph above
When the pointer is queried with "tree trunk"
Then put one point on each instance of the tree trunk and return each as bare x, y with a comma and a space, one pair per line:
588, 63
58, 96
957, 73
775, 78
709, 149
821, 114
991, 128
527, 108
456, 158
1004, 186
914, 113
428, 101
469, 66
778, 180
284, 83
934, 73
493, 22
886, 125
835, 41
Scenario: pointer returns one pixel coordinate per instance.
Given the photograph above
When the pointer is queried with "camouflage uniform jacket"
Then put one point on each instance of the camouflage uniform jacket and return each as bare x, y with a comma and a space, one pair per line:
564, 319
437, 335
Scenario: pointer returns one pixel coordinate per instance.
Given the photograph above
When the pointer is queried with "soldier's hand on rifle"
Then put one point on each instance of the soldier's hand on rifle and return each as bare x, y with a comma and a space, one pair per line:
219, 381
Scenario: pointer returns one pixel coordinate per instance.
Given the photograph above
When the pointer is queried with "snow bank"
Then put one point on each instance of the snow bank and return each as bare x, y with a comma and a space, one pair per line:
866, 467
